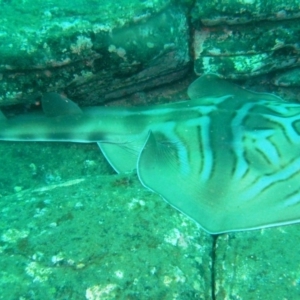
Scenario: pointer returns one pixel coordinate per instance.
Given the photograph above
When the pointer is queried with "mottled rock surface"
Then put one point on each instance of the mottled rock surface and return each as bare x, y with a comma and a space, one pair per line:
289, 78
69, 233
261, 264
98, 51
243, 51
93, 51
244, 11
242, 39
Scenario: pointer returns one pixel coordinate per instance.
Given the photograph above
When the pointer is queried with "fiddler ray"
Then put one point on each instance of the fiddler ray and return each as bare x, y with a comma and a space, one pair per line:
228, 158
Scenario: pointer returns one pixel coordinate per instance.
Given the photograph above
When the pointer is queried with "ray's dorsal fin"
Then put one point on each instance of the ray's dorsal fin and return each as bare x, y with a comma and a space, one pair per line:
55, 105
2, 117
211, 86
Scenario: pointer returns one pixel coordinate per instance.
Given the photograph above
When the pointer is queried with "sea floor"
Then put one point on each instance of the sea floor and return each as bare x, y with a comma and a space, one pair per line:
72, 229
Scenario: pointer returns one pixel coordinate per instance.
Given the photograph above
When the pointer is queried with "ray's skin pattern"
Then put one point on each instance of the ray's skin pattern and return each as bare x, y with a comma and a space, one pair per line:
228, 158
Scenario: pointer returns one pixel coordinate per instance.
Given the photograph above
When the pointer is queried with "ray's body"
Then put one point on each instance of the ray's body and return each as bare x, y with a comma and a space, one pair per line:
228, 158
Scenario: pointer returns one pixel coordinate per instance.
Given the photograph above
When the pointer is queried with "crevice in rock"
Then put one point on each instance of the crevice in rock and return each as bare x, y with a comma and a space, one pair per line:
213, 266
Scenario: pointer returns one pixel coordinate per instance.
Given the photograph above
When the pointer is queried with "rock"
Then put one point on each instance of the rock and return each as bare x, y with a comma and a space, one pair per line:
260, 264
243, 11
290, 78
93, 52
105, 51
105, 229
243, 51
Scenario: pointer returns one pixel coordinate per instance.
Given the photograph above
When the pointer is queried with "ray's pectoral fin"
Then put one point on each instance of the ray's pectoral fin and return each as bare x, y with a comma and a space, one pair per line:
220, 202
160, 170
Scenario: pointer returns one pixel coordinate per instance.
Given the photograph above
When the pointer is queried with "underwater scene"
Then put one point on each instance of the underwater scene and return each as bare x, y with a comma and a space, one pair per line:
149, 150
